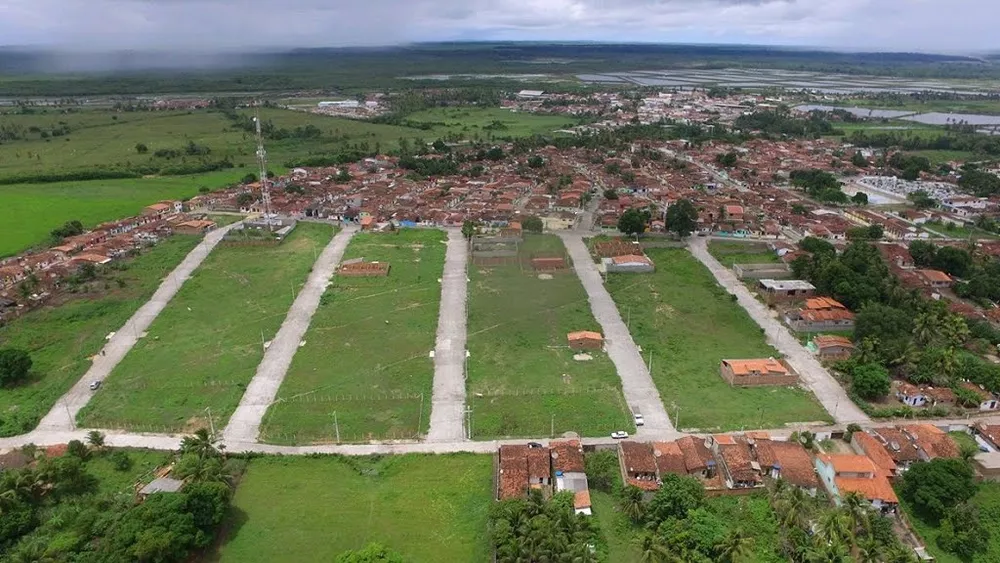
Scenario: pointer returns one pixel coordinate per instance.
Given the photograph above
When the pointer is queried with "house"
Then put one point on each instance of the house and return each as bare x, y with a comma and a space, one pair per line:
739, 468
987, 402
194, 227
990, 433
158, 209
585, 340
522, 468
367, 223
833, 347
788, 461
628, 263
638, 465
935, 278
874, 446
930, 441
922, 395
783, 291
819, 314
568, 467
850, 473
767, 371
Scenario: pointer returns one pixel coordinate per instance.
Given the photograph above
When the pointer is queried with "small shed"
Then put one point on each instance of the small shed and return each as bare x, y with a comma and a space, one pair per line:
161, 485
585, 340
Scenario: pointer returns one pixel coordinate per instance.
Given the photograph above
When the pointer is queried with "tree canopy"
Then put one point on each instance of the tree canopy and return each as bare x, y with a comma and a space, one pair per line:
633, 221
682, 218
938, 485
15, 364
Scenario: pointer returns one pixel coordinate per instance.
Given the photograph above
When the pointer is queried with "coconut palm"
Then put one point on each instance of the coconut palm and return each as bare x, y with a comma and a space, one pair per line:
95, 439
828, 552
735, 546
835, 527
653, 550
926, 328
632, 503
201, 443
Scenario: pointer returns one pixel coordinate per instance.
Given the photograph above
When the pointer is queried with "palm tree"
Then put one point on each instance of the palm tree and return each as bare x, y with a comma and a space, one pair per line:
835, 527
859, 510
828, 552
95, 439
735, 546
653, 550
632, 503
926, 328
200, 443
869, 551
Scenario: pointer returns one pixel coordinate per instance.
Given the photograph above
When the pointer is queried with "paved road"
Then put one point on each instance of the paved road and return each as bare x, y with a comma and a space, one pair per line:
829, 392
640, 392
448, 404
62, 416
244, 425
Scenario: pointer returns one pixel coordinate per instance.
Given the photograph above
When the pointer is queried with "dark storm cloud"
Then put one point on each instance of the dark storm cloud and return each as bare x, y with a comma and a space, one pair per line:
212, 25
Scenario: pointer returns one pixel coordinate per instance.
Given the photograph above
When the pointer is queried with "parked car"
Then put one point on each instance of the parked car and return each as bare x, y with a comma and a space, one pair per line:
638, 419
534, 445
619, 435
95, 384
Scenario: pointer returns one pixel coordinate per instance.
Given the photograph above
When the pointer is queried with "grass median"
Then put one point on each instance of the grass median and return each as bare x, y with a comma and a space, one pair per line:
205, 345
365, 369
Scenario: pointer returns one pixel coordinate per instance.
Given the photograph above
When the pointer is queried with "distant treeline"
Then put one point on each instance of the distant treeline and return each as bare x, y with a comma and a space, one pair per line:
137, 171
339, 69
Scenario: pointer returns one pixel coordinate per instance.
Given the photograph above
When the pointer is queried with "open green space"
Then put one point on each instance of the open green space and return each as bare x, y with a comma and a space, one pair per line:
366, 352
522, 378
113, 480
29, 211
733, 252
987, 501
690, 324
472, 122
954, 231
61, 339
204, 347
938, 157
922, 106
427, 508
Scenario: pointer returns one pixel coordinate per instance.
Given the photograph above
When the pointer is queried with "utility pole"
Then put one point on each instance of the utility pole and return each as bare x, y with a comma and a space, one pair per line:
69, 415
336, 426
552, 426
677, 416
468, 423
265, 193
211, 423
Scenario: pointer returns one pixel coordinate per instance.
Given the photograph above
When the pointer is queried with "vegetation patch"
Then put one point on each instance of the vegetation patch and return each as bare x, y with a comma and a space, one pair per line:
364, 370
732, 252
204, 347
688, 324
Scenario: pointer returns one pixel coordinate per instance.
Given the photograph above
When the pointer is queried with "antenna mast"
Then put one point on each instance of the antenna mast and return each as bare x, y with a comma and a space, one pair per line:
265, 193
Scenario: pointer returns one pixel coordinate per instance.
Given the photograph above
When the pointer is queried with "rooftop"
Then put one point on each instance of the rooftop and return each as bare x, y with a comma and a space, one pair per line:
787, 285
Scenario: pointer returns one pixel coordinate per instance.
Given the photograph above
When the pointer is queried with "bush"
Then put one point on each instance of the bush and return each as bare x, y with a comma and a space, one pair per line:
15, 364
78, 449
938, 485
602, 470
121, 460
870, 381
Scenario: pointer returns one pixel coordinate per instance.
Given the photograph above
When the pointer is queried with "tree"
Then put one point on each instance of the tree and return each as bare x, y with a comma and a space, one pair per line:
963, 533
371, 553
536, 161
532, 224
938, 485
141, 148
675, 498
468, 229
200, 443
633, 222
610, 194
860, 198
859, 160
727, 160
244, 199
495, 153
15, 364
95, 439
817, 246
602, 470
632, 503
77, 449
870, 381
921, 199
682, 218
735, 547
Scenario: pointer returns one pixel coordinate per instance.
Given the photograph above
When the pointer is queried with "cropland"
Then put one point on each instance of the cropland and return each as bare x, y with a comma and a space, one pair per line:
427, 508
523, 379
688, 324
366, 353
204, 348
62, 338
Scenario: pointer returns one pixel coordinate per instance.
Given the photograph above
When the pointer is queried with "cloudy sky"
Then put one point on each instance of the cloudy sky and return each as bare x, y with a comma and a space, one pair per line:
198, 25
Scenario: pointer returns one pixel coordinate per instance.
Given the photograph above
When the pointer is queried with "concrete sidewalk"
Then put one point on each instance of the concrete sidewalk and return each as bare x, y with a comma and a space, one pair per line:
640, 392
244, 425
62, 416
448, 403
827, 389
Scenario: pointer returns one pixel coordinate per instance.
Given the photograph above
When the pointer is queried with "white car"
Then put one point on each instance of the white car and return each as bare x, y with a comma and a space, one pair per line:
619, 435
95, 384
638, 419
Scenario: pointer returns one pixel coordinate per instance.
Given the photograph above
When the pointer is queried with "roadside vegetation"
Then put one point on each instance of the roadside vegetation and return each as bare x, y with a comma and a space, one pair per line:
688, 324
365, 355
62, 338
204, 347
523, 379
426, 508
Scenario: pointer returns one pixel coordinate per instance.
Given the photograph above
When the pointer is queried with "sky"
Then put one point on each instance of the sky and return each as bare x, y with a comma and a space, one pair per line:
950, 26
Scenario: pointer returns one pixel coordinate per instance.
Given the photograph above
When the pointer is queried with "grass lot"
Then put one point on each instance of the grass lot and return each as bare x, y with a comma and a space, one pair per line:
366, 353
690, 324
29, 211
964, 440
953, 231
62, 339
733, 252
223, 220
427, 508
519, 359
114, 481
987, 500
469, 122
939, 157
205, 346
991, 107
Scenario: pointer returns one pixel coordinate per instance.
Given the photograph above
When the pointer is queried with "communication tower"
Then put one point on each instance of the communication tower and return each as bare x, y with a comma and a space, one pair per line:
265, 192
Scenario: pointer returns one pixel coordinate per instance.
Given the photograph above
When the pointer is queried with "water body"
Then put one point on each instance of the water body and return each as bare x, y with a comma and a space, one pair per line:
938, 118
860, 112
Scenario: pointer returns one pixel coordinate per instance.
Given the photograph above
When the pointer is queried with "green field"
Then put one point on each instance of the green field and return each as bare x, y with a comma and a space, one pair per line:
62, 339
117, 482
940, 157
733, 252
471, 123
427, 508
204, 347
689, 324
950, 230
987, 500
29, 211
521, 370
923, 106
366, 352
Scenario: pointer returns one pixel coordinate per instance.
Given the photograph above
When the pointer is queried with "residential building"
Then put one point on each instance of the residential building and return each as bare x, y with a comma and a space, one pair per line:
788, 461
766, 371
568, 468
638, 465
820, 314
987, 401
739, 468
833, 347
935, 278
849, 473
784, 291
522, 468
923, 395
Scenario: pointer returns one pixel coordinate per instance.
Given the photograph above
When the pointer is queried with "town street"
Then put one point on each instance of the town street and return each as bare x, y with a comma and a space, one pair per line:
829, 392
640, 392
244, 425
448, 403
62, 416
